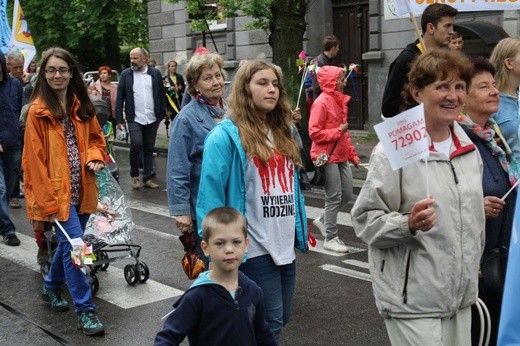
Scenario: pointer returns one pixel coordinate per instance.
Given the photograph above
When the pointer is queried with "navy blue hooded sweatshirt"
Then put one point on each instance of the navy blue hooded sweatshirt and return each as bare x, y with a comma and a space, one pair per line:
208, 315
11, 92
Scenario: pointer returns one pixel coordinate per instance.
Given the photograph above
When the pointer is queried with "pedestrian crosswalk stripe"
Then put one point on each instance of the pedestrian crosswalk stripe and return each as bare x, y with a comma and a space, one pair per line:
312, 212
113, 287
356, 263
345, 271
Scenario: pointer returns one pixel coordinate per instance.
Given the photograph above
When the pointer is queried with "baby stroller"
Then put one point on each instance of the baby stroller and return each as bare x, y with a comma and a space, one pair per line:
108, 231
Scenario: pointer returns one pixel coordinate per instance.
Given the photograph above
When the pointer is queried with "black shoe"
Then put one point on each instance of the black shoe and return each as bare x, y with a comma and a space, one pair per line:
11, 240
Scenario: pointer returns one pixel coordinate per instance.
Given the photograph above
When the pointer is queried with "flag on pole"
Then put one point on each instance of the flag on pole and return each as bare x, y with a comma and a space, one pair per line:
509, 328
21, 37
5, 29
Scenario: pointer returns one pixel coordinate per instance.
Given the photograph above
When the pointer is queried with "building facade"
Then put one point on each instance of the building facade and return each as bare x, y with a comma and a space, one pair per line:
367, 39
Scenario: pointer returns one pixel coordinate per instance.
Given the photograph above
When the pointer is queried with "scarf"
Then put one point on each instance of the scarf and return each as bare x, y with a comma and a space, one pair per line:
487, 135
216, 110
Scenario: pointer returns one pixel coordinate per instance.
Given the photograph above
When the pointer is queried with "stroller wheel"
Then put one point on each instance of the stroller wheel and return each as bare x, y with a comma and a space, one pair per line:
103, 256
142, 272
130, 274
44, 268
94, 283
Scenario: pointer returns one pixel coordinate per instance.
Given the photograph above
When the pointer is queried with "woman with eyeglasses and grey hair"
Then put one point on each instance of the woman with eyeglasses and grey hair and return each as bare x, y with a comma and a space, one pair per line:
63, 149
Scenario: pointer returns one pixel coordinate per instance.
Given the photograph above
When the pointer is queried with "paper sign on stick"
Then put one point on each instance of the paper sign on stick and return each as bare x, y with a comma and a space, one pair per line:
404, 137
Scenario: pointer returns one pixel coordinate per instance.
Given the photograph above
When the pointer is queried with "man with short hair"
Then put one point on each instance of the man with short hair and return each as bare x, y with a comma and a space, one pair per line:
15, 61
326, 58
141, 95
10, 147
437, 26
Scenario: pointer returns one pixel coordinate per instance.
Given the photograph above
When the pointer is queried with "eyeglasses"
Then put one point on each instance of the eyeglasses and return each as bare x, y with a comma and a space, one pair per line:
62, 70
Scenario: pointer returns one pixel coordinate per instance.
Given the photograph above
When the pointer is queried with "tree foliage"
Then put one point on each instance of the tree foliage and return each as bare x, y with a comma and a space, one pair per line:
284, 21
93, 30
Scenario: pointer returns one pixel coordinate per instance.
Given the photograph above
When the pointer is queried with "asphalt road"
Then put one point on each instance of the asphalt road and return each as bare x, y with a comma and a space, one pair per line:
333, 304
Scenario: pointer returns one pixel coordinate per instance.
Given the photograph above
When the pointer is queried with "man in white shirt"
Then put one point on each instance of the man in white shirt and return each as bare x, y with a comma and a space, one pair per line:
142, 96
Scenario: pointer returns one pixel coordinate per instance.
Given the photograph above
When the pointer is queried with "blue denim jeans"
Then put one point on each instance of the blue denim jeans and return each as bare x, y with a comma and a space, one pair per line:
9, 161
277, 284
63, 270
142, 143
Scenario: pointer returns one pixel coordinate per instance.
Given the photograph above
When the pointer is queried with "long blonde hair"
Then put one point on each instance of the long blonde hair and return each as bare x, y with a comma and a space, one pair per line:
244, 114
507, 48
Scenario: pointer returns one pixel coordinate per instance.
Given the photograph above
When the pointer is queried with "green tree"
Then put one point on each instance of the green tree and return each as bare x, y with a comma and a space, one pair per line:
283, 20
93, 30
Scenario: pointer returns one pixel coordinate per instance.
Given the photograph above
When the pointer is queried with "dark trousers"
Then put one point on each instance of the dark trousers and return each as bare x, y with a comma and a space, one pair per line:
142, 141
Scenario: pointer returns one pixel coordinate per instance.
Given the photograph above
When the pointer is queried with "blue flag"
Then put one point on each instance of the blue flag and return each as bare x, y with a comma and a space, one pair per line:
509, 329
5, 29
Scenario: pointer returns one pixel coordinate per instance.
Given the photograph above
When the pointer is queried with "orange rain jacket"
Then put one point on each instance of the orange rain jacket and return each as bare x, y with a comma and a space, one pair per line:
46, 165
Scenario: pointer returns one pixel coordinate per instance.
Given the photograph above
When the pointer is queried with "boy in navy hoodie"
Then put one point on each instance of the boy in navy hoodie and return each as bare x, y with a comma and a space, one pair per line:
223, 306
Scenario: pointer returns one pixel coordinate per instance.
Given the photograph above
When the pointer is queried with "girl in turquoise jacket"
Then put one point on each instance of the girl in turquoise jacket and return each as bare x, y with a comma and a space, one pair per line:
251, 163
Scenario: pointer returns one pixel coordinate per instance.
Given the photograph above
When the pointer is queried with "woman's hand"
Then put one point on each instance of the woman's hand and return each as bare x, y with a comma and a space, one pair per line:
184, 223
493, 206
343, 127
53, 218
423, 216
95, 165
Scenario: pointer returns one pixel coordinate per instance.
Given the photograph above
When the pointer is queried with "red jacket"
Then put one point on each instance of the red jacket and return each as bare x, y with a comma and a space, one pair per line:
328, 112
46, 165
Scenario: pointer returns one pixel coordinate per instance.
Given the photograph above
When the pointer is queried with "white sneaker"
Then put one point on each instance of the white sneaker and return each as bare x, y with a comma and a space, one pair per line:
320, 226
335, 244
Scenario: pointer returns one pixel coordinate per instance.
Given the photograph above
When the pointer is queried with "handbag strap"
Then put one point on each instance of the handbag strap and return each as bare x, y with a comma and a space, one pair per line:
334, 146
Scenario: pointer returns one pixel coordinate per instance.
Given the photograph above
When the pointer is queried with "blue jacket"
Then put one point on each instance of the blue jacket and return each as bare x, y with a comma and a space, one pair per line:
189, 129
208, 315
223, 175
11, 93
125, 95
495, 182
508, 122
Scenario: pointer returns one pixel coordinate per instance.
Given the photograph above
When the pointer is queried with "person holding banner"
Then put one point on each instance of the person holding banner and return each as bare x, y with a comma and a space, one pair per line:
205, 76
425, 236
506, 60
437, 26
328, 130
64, 148
501, 172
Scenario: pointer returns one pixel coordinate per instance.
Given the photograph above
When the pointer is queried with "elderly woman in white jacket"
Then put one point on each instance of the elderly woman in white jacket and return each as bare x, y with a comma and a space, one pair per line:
424, 251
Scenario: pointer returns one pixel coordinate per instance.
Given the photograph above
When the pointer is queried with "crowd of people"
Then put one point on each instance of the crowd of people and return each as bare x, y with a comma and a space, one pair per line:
233, 180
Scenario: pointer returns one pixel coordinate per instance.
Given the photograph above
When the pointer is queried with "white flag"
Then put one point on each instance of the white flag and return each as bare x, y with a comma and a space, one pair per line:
21, 37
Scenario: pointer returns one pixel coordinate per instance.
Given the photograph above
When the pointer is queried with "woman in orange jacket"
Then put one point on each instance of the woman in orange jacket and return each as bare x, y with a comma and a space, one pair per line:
64, 147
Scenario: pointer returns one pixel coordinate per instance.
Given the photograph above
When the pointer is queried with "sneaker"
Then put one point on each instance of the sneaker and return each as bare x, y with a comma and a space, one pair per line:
136, 183
54, 297
14, 203
320, 226
11, 240
335, 244
150, 184
90, 324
